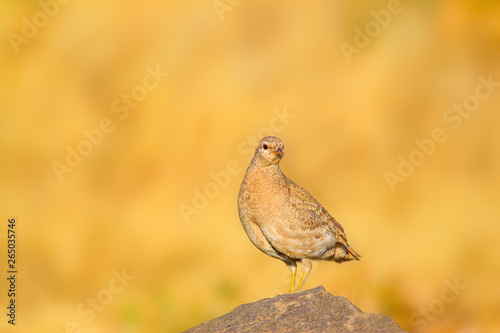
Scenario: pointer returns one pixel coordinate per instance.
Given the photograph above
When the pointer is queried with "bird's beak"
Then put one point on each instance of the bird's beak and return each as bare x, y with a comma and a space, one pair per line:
278, 151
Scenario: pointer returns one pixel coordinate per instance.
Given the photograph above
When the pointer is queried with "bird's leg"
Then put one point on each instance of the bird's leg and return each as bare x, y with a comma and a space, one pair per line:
306, 269
293, 269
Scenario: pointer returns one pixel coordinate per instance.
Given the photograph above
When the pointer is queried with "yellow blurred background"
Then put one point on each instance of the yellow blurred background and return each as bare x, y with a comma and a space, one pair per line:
238, 70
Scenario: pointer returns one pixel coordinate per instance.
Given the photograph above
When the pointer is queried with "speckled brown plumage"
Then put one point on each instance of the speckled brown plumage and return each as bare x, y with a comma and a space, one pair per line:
283, 220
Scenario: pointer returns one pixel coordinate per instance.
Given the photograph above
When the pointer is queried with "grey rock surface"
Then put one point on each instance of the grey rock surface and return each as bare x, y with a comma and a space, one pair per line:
313, 310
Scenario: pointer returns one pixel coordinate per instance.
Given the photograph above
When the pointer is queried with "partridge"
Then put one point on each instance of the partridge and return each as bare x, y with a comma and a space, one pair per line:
283, 220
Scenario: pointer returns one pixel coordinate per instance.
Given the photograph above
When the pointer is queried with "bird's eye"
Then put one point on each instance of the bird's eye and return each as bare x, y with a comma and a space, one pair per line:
265, 147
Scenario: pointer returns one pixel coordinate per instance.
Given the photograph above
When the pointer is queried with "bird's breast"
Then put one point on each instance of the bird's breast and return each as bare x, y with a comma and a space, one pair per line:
264, 196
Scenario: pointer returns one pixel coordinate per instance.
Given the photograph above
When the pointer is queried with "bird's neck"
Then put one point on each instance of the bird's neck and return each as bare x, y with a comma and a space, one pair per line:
269, 175
272, 170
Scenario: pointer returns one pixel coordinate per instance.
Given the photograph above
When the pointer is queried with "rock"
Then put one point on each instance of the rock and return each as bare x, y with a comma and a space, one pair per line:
313, 310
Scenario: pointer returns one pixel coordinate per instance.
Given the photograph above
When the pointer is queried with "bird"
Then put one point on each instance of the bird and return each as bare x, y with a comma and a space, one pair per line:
285, 221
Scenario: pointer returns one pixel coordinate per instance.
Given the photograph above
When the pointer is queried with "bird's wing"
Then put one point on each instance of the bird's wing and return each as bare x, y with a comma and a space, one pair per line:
303, 201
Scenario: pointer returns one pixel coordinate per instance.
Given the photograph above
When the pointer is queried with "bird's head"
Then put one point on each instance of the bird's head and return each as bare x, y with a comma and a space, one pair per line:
269, 151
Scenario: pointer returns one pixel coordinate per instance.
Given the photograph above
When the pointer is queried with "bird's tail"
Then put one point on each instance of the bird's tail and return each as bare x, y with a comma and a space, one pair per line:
344, 253
352, 254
